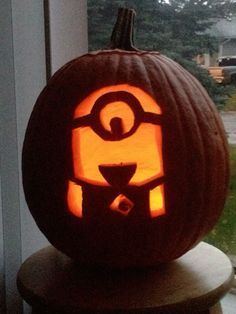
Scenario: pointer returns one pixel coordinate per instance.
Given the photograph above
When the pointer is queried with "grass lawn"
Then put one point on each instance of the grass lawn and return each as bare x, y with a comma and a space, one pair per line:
231, 102
223, 235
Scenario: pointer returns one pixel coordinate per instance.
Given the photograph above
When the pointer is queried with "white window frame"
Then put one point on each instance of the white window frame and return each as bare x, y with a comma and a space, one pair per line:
29, 50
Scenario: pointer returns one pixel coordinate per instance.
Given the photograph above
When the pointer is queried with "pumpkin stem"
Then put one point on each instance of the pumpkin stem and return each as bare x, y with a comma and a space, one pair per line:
122, 34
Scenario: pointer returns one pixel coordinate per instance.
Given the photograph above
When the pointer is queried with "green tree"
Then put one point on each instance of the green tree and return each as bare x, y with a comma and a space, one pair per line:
177, 28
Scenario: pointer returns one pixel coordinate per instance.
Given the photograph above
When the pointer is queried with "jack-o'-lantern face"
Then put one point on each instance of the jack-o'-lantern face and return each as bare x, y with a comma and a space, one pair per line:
117, 154
125, 159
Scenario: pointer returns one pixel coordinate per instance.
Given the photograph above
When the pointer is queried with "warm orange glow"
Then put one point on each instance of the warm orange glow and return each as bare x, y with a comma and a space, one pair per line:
142, 146
122, 205
89, 151
74, 199
119, 109
86, 105
156, 201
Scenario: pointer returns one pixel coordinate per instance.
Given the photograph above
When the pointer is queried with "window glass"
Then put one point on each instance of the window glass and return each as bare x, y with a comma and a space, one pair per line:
195, 34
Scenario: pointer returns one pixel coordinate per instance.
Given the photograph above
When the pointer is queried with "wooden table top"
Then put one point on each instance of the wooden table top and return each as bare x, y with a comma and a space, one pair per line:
190, 284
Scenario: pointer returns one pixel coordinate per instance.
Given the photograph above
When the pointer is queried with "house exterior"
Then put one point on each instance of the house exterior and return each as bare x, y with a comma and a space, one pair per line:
225, 31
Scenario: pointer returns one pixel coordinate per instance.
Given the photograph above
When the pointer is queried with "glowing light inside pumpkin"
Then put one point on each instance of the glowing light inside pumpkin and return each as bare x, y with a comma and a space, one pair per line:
86, 105
117, 109
74, 199
143, 147
122, 205
90, 150
156, 201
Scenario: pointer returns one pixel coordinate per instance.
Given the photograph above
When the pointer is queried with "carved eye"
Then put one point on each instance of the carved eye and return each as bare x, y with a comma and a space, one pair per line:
116, 115
117, 118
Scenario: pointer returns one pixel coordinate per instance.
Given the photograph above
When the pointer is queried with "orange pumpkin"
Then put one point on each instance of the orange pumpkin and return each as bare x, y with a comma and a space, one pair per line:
125, 159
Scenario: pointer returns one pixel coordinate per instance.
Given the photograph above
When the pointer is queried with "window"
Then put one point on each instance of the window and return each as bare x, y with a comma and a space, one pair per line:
180, 30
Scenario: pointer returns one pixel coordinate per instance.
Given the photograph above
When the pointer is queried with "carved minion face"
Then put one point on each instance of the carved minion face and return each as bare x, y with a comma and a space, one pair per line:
117, 154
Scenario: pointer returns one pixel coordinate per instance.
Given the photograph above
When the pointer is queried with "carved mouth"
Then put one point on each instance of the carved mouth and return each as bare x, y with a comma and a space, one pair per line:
118, 175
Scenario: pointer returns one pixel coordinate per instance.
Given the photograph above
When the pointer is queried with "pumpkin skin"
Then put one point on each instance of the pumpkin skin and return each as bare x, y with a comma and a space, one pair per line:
195, 161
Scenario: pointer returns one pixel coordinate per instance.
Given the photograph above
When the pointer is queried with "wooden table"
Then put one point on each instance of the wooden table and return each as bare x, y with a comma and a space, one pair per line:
52, 283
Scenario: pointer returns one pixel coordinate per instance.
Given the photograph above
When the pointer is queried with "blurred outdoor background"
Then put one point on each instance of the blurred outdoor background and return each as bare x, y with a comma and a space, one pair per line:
201, 36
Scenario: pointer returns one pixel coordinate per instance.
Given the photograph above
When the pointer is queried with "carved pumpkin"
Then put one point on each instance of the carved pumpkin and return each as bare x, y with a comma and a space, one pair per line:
116, 121
125, 159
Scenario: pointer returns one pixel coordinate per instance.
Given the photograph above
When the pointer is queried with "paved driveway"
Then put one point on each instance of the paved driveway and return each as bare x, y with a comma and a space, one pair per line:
229, 120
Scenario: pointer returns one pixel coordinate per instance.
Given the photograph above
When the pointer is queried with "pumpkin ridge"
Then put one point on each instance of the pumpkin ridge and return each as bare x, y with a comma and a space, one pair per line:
117, 66
187, 83
214, 112
60, 73
197, 223
223, 145
214, 201
217, 118
162, 68
211, 196
124, 69
143, 69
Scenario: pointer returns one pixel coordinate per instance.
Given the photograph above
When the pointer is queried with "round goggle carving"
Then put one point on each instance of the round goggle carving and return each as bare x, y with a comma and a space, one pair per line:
104, 121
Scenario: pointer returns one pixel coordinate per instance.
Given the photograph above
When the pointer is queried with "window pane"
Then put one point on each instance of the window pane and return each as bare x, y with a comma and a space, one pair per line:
194, 34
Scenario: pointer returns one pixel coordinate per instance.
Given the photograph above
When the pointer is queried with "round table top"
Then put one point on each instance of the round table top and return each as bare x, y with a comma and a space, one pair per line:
192, 283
